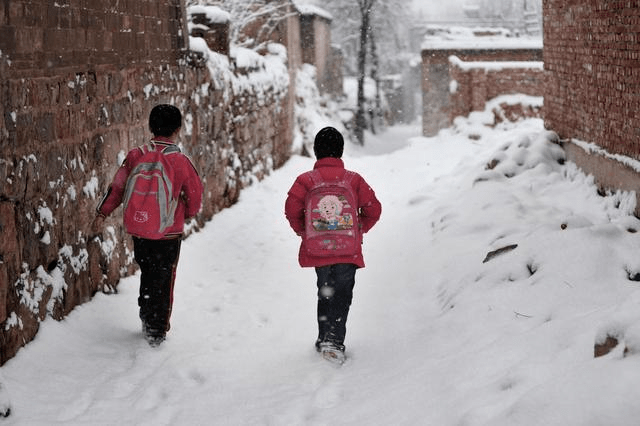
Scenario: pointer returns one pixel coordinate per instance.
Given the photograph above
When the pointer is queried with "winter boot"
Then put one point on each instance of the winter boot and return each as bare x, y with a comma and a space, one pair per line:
332, 352
153, 336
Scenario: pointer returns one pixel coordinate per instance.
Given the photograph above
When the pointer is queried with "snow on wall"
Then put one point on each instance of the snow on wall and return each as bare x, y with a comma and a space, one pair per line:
591, 58
459, 38
495, 65
463, 68
591, 54
309, 9
213, 13
65, 134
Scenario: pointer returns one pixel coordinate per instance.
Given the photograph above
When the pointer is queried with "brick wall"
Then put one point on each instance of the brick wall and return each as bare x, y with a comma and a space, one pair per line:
438, 104
592, 65
334, 82
77, 81
592, 58
41, 36
315, 36
478, 82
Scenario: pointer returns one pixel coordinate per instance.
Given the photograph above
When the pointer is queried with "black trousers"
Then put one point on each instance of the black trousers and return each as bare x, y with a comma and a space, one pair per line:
335, 292
158, 260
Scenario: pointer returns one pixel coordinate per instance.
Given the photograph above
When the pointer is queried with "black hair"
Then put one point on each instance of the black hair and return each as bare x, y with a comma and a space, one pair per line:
164, 120
328, 143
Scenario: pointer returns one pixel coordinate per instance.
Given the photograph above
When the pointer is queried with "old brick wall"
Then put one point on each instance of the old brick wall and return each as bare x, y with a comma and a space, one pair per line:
315, 36
290, 37
592, 60
592, 65
77, 81
307, 38
323, 51
478, 82
334, 83
41, 36
439, 107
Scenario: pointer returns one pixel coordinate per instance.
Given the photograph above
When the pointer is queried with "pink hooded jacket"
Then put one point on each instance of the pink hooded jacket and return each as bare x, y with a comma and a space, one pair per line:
369, 208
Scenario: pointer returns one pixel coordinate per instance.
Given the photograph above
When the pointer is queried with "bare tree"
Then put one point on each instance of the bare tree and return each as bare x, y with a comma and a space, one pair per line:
371, 25
255, 22
378, 24
376, 114
365, 29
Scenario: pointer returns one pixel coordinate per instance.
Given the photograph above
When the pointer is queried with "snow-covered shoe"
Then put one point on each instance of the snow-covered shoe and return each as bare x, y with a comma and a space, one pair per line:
332, 352
321, 343
334, 356
154, 340
152, 336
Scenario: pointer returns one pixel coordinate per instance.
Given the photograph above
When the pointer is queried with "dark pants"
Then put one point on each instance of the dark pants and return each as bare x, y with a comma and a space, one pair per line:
335, 292
158, 260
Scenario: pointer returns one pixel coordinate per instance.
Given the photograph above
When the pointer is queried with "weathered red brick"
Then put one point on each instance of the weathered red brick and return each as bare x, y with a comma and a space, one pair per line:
76, 99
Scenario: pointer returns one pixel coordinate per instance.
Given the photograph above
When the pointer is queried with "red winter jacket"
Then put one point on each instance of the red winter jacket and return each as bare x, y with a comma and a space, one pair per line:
187, 185
369, 208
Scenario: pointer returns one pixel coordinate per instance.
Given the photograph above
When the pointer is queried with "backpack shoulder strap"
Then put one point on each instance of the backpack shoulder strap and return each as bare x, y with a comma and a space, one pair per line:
171, 149
143, 149
147, 147
151, 147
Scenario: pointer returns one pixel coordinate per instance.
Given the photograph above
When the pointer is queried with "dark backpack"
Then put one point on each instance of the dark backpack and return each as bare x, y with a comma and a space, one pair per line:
331, 217
149, 204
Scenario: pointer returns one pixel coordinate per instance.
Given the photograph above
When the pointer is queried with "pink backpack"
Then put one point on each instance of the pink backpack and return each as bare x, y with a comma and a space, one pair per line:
331, 218
149, 204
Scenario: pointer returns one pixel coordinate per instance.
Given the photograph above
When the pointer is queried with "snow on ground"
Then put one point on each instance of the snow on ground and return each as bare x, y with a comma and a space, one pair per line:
436, 335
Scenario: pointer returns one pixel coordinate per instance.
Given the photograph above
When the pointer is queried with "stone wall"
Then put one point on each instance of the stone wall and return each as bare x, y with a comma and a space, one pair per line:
592, 65
439, 107
216, 34
78, 79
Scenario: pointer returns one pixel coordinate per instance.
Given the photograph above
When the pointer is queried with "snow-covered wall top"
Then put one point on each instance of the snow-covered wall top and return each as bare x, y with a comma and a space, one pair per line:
214, 14
309, 9
494, 65
458, 38
65, 129
451, 57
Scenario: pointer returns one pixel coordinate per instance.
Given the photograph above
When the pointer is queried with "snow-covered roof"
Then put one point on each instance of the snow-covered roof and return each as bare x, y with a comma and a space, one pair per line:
458, 38
309, 9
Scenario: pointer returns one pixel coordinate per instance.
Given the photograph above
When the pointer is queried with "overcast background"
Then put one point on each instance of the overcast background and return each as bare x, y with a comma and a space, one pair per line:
450, 10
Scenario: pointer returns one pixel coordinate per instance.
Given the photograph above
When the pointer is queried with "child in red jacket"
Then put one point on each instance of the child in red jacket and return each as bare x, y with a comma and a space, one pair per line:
336, 273
157, 254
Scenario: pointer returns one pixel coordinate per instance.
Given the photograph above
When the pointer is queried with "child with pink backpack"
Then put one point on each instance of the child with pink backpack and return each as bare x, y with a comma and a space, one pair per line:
159, 188
330, 208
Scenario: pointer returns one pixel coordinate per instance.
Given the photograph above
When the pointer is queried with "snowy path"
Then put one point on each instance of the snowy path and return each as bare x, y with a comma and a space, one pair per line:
240, 351
241, 346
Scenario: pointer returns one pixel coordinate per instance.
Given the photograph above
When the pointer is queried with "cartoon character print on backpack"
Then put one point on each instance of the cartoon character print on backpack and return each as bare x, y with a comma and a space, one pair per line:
332, 218
330, 208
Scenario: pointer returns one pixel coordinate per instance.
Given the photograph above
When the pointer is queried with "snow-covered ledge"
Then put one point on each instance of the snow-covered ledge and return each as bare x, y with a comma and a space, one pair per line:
612, 172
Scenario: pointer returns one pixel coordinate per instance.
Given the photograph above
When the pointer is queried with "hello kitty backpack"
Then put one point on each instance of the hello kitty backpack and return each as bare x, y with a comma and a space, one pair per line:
149, 199
331, 217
